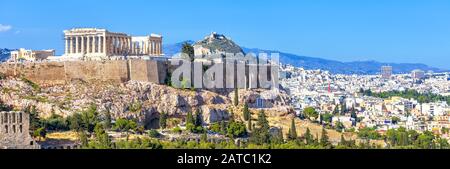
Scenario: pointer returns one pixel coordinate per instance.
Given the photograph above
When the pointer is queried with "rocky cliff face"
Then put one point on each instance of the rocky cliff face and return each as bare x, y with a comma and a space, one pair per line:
138, 100
143, 101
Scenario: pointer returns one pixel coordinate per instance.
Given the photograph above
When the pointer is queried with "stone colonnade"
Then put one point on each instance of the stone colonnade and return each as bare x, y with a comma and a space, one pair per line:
105, 43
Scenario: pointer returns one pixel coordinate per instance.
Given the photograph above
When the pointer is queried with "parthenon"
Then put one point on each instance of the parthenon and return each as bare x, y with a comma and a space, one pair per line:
94, 44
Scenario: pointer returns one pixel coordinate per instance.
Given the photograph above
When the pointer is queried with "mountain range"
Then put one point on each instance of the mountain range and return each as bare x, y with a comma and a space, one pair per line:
307, 62
4, 54
356, 67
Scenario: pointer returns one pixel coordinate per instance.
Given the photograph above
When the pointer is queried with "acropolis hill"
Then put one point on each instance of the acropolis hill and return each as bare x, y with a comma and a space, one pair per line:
94, 54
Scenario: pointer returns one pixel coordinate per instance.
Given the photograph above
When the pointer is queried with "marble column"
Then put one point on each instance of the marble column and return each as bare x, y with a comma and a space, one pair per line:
99, 44
88, 44
116, 45
66, 50
153, 47
82, 45
76, 44
94, 44
70, 45
121, 45
160, 48
104, 45
157, 48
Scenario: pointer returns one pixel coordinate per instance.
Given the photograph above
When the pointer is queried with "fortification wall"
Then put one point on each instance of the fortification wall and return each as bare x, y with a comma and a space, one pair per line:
114, 71
118, 71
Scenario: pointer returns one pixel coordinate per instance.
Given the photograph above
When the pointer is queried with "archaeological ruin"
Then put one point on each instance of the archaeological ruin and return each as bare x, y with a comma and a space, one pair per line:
14, 131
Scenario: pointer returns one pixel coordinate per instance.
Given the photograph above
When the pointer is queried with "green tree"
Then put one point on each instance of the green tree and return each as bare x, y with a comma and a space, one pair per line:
204, 137
236, 96
443, 143
236, 129
339, 126
124, 125
108, 119
82, 137
292, 135
215, 127
444, 130
327, 117
324, 140
76, 122
246, 112
102, 138
261, 134
343, 108
90, 118
188, 50
153, 133
309, 138
310, 112
343, 142
40, 133
425, 140
190, 119
395, 120
163, 120
35, 121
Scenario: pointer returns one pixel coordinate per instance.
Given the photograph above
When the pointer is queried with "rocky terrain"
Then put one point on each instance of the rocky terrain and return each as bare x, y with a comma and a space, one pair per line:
137, 100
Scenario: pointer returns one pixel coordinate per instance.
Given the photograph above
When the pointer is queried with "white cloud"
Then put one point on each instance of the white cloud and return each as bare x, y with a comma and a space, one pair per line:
4, 28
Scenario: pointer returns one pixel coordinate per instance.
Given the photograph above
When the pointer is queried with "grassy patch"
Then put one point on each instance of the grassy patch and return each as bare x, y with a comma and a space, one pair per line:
35, 86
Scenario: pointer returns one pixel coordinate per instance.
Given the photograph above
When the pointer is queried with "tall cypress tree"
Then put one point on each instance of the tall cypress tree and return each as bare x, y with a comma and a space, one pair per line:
308, 136
246, 112
324, 140
263, 124
188, 50
236, 97
292, 131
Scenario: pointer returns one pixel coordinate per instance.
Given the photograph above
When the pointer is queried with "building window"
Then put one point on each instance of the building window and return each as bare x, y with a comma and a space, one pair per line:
31, 143
14, 128
20, 129
20, 117
13, 118
6, 129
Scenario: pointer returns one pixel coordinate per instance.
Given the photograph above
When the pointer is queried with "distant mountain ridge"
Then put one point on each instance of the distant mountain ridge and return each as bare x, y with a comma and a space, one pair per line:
337, 67
4, 54
172, 49
354, 67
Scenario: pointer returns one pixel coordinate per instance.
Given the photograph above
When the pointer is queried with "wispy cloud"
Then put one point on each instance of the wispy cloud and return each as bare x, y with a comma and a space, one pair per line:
4, 28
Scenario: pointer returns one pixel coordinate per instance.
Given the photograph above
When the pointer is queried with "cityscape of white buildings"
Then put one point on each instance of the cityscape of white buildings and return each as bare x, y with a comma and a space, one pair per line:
327, 93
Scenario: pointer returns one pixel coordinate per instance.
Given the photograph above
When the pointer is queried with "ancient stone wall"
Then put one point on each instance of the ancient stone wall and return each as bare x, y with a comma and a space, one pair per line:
53, 73
14, 131
148, 71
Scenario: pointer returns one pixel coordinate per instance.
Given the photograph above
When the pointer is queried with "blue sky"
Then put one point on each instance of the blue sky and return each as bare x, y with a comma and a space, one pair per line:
411, 31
